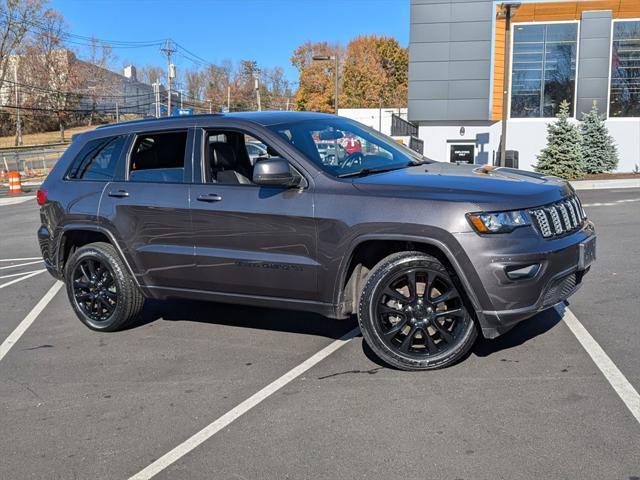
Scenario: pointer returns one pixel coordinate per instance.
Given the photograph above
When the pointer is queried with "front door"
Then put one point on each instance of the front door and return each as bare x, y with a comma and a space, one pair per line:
250, 239
148, 210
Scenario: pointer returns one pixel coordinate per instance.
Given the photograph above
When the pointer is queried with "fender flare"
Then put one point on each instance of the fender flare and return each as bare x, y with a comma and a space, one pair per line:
346, 260
75, 227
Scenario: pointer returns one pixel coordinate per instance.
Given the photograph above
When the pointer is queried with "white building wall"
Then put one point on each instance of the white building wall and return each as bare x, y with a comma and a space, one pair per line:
371, 116
529, 137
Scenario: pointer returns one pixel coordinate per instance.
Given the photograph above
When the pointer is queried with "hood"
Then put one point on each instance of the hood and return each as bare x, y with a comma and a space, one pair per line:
488, 187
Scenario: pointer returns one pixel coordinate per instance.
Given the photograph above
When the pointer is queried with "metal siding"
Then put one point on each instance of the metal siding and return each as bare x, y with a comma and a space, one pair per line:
429, 90
430, 52
468, 31
466, 89
593, 61
428, 71
425, 32
450, 60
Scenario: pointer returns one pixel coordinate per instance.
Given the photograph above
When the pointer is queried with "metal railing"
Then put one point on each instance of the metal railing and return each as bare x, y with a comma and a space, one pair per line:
31, 162
402, 128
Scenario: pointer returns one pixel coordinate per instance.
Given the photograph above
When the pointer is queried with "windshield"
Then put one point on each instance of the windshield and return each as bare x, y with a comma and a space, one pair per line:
342, 147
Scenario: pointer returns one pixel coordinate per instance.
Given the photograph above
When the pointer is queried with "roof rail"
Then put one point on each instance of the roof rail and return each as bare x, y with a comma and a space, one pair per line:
159, 119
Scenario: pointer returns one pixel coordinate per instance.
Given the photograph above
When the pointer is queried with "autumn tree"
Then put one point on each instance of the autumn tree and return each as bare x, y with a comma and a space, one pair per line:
375, 73
316, 78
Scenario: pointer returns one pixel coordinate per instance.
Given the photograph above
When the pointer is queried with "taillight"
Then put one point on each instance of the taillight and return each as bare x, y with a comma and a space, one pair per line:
41, 197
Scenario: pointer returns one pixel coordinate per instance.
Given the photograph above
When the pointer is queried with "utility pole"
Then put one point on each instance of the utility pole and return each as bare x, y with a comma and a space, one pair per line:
171, 71
258, 94
18, 119
117, 113
228, 97
507, 10
210, 106
156, 98
337, 74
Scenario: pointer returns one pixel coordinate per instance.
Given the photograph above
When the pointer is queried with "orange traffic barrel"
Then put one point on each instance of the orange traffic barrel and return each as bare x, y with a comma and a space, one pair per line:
15, 185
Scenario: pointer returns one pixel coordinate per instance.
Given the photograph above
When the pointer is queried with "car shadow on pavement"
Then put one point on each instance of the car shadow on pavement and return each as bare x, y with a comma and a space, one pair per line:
242, 317
521, 333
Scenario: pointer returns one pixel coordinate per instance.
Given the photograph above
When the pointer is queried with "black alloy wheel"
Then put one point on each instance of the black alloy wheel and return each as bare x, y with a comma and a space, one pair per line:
413, 314
94, 289
102, 292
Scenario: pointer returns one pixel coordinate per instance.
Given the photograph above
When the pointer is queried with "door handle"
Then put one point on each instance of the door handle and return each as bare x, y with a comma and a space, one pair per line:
209, 197
119, 194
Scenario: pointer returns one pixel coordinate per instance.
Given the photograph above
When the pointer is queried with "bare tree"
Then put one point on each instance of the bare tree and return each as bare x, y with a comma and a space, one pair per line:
17, 17
52, 68
150, 74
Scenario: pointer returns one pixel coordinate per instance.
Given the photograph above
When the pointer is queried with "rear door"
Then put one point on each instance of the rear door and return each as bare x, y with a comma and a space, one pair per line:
250, 239
147, 208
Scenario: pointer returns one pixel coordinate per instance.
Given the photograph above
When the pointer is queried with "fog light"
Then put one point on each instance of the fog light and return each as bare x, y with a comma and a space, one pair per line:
519, 272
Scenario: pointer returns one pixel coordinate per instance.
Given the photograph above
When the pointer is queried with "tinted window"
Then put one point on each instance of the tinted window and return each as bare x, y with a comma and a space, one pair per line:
625, 70
543, 69
97, 159
158, 157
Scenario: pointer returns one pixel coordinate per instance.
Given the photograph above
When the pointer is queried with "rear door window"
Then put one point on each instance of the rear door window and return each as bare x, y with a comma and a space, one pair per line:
158, 157
97, 160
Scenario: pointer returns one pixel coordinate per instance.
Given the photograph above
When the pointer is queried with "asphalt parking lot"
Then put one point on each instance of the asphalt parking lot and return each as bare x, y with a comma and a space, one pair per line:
531, 404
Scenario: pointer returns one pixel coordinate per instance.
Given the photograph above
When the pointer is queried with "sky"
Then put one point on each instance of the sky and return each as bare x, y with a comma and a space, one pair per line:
263, 30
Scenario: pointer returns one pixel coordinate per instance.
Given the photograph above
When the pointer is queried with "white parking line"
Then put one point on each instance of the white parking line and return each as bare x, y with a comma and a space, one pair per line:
18, 274
614, 376
611, 204
28, 275
19, 259
20, 265
226, 419
28, 320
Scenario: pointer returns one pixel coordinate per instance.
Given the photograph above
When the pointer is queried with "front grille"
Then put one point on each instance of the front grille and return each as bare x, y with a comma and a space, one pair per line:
561, 289
559, 218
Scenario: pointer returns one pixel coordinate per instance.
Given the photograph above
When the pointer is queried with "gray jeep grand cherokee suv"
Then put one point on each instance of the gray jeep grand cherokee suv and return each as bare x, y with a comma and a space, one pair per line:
427, 254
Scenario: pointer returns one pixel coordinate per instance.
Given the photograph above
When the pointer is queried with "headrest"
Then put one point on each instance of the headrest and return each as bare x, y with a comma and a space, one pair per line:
222, 156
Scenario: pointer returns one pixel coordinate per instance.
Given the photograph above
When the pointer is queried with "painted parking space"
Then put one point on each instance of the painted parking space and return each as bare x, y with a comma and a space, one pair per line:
86, 405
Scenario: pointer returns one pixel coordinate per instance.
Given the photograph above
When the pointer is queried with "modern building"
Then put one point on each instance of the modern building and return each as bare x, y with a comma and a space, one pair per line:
584, 52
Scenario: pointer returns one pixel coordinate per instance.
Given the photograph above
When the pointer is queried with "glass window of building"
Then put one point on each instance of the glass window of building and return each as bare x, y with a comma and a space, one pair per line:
543, 68
625, 70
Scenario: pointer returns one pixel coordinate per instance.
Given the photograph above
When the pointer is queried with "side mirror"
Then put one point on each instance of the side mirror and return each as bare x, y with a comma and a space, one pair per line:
273, 171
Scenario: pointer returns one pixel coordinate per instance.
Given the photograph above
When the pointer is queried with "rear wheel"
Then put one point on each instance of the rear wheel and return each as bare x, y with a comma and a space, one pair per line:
101, 291
413, 315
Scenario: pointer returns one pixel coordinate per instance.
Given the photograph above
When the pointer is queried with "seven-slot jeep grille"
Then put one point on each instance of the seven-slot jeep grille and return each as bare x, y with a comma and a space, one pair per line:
559, 218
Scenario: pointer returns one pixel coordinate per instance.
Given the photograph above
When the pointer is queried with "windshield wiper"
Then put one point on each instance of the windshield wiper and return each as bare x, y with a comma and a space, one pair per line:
368, 171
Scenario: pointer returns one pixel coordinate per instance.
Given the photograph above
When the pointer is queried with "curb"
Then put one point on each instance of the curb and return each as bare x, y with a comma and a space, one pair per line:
15, 200
606, 184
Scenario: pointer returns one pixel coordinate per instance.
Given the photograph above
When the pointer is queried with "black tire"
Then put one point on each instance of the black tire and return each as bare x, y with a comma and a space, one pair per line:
101, 291
410, 330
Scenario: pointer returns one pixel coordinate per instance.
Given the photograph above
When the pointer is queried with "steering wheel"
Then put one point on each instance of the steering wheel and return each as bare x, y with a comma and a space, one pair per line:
352, 159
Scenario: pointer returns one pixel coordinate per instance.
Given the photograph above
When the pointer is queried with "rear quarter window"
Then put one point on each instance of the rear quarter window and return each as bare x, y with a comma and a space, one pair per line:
97, 159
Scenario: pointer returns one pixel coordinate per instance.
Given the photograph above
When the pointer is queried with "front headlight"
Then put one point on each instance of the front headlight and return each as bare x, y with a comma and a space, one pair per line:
498, 222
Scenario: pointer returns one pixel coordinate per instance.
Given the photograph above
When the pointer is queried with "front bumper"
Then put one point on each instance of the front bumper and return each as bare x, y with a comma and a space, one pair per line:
506, 301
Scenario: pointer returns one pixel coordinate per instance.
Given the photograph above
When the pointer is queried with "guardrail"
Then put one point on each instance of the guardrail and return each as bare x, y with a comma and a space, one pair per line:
32, 161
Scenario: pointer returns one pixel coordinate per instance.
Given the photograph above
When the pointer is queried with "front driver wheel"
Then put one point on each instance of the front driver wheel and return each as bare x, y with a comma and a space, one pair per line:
413, 315
101, 291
